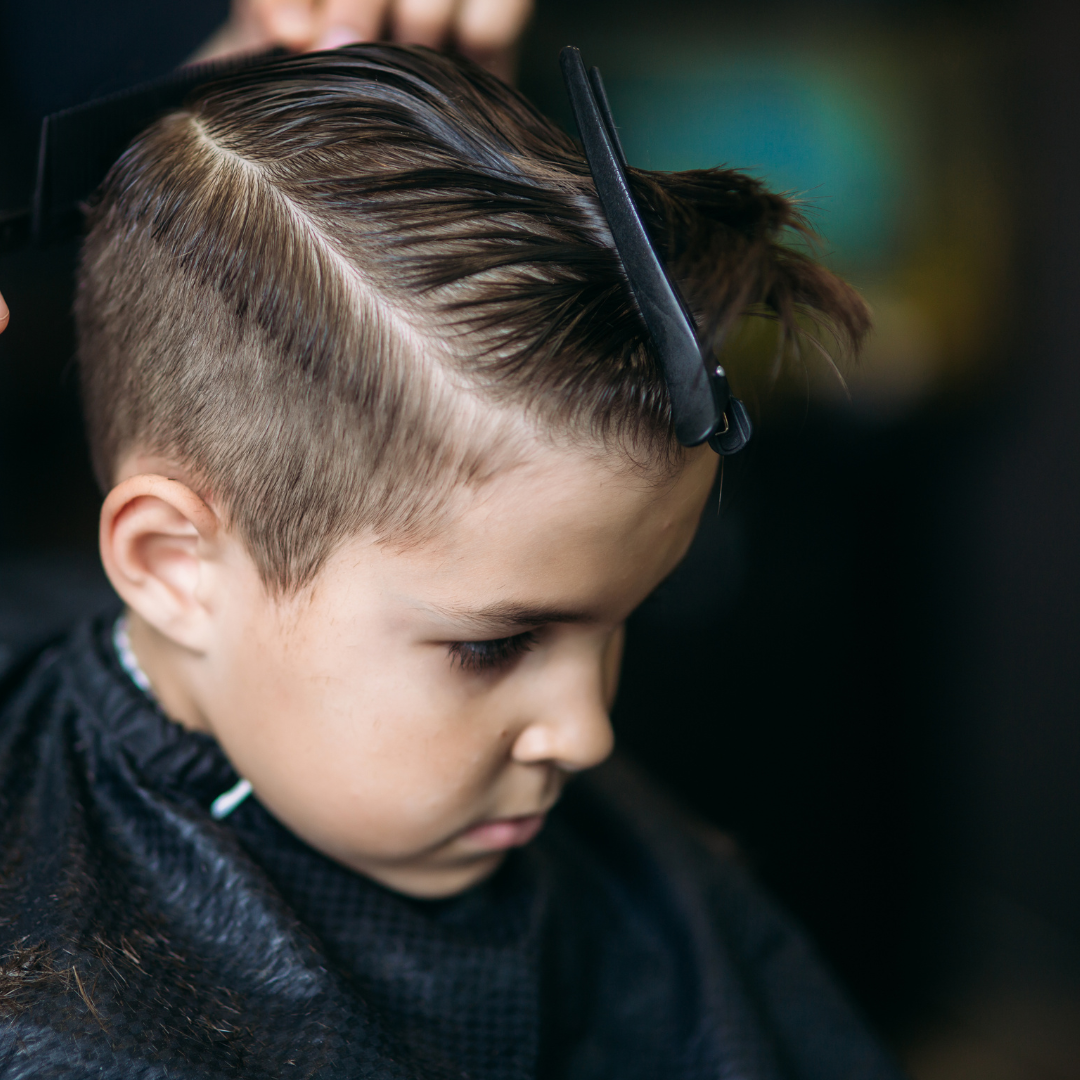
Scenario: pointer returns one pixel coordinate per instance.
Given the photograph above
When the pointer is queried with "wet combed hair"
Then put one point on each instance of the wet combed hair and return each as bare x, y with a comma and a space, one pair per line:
335, 286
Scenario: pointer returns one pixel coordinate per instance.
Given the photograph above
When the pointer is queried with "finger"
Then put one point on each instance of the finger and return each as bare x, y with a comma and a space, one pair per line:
4, 313
490, 26
422, 22
292, 23
345, 21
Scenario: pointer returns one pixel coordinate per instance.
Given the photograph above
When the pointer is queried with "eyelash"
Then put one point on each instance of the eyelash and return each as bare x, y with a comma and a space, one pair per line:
489, 655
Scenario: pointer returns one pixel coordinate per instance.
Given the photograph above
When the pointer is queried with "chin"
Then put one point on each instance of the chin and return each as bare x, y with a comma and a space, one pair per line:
436, 883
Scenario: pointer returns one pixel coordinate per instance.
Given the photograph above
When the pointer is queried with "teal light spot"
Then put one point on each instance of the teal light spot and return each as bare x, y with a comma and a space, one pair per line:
801, 130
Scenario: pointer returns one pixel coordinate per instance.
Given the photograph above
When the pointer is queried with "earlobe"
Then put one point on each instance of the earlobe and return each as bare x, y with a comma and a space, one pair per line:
155, 537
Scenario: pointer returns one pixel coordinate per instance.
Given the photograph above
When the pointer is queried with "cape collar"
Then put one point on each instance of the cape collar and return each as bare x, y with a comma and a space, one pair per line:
188, 765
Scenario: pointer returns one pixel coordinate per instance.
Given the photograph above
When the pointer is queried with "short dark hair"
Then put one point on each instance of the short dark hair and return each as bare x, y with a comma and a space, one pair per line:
336, 285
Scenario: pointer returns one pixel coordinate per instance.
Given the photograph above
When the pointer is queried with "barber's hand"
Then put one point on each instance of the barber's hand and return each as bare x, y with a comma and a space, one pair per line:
3, 315
485, 30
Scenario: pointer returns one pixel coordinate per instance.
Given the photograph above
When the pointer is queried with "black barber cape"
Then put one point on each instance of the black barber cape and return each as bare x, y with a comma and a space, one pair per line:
141, 938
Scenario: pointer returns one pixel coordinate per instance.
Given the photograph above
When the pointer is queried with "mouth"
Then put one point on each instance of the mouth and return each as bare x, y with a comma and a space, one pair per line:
501, 834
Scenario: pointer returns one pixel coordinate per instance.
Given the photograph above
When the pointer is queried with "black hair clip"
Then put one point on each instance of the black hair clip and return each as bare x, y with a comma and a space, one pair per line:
701, 403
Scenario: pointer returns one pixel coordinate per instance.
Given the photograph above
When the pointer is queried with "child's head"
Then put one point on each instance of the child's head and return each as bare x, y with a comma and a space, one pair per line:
390, 456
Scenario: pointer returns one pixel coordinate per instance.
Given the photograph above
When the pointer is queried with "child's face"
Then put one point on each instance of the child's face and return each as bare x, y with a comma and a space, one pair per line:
415, 713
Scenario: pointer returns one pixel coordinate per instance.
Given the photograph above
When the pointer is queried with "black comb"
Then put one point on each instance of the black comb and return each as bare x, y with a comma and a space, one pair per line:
79, 145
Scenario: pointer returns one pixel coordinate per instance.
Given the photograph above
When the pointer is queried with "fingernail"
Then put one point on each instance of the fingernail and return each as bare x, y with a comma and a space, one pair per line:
337, 36
3, 313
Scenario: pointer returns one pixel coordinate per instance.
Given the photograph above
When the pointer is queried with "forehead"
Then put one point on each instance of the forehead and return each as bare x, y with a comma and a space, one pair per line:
562, 531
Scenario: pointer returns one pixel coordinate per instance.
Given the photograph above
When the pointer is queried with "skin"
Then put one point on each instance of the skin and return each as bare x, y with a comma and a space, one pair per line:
346, 704
484, 30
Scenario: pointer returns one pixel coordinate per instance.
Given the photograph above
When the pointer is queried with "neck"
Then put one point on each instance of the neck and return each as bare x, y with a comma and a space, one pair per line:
169, 668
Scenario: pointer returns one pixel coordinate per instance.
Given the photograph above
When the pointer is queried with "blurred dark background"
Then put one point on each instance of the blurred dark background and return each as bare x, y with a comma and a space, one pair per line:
868, 670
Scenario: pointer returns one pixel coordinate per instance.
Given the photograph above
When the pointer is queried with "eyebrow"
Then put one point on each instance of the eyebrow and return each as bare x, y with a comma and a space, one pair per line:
498, 618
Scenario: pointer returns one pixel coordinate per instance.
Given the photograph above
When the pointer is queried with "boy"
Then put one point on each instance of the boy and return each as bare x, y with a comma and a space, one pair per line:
389, 461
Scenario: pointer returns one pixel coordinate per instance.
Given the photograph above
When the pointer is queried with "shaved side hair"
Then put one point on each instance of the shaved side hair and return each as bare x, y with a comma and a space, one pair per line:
334, 287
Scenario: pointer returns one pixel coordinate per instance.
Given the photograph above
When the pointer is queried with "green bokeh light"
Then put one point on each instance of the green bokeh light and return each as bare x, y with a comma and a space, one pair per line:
803, 130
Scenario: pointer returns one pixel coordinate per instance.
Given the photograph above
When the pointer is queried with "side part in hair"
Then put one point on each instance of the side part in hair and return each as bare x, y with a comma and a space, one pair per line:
338, 285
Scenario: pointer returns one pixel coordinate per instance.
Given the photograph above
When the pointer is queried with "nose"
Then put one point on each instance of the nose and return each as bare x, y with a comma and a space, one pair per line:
569, 725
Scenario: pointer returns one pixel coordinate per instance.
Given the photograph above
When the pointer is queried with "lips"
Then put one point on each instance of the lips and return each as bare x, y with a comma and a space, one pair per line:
503, 833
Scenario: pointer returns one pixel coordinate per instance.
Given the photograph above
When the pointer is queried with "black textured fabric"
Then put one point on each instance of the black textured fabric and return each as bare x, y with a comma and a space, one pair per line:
142, 939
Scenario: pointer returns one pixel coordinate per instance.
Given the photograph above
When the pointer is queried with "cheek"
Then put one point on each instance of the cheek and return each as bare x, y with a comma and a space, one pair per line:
355, 741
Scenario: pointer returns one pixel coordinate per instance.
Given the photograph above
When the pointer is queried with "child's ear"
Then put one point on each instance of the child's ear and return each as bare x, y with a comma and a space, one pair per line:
156, 535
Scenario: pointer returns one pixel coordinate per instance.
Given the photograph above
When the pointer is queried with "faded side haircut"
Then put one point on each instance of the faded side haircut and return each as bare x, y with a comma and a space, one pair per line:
336, 286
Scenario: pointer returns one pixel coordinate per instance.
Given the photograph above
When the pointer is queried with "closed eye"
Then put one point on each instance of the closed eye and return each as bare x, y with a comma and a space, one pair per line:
493, 654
